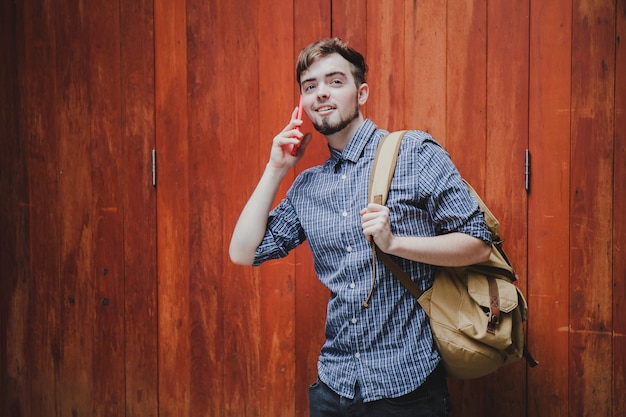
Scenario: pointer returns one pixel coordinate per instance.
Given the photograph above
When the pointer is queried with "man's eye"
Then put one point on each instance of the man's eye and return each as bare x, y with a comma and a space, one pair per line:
336, 82
308, 87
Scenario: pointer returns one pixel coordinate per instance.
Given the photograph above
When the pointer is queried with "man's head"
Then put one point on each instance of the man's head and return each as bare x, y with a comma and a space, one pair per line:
332, 83
326, 47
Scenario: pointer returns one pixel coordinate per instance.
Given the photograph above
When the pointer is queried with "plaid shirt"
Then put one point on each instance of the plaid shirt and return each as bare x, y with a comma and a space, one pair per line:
387, 347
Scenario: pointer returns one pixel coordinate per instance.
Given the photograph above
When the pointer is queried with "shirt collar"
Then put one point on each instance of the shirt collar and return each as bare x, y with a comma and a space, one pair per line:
354, 149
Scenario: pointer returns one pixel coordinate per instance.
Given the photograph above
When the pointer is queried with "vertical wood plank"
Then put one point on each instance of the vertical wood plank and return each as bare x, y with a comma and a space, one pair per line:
311, 295
385, 48
348, 19
208, 91
425, 31
466, 133
548, 206
466, 88
41, 127
276, 100
507, 140
107, 176
139, 207
242, 293
619, 213
14, 211
591, 326
76, 221
173, 229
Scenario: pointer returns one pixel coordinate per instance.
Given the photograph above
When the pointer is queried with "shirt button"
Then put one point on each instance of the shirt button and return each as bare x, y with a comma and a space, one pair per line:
343, 177
353, 285
349, 248
344, 214
353, 320
357, 355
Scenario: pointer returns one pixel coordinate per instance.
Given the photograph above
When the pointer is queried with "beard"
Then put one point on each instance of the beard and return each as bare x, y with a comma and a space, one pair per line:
326, 128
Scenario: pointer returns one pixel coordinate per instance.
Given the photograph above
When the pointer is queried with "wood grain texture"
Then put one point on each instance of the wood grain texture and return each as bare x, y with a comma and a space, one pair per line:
591, 315
208, 189
173, 228
276, 101
75, 209
619, 221
241, 293
386, 60
14, 216
139, 207
467, 90
507, 72
425, 58
466, 129
107, 205
548, 206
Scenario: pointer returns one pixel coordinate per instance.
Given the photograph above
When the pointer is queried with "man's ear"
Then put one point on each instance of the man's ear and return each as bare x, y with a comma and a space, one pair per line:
363, 93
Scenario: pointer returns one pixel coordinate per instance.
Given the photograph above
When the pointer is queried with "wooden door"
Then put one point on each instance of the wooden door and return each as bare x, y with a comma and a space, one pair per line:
79, 248
117, 296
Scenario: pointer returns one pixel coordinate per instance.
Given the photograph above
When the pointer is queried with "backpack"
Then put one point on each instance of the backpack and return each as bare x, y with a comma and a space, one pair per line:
476, 312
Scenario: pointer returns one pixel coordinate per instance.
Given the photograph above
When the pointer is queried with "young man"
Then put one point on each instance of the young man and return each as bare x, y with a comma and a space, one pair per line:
377, 360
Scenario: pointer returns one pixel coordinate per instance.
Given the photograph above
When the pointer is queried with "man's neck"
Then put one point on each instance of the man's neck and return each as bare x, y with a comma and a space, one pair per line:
340, 140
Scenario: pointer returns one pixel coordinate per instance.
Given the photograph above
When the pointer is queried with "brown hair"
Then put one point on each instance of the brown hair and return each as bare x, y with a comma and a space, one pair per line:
329, 46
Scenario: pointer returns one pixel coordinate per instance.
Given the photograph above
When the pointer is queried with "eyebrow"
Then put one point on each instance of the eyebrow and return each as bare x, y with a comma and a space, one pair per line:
328, 75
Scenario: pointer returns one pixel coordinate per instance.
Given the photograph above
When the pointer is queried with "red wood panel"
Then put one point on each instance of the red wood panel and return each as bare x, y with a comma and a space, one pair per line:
75, 208
348, 21
40, 368
466, 89
385, 50
207, 91
276, 100
139, 207
507, 141
619, 213
241, 292
548, 206
311, 295
466, 135
591, 326
107, 177
14, 223
424, 102
173, 229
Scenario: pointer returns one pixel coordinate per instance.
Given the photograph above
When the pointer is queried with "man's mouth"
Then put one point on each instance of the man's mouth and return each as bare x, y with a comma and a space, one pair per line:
325, 109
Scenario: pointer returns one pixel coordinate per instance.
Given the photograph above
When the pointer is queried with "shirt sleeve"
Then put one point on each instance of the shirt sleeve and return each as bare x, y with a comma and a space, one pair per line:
451, 205
283, 234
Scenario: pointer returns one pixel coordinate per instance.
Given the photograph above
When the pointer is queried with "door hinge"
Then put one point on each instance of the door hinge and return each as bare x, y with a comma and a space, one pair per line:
527, 171
154, 167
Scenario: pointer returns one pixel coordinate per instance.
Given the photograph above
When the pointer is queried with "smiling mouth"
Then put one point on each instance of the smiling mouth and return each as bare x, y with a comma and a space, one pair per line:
323, 109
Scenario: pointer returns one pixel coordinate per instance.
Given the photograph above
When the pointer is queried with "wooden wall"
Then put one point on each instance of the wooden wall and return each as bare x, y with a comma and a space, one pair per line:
117, 297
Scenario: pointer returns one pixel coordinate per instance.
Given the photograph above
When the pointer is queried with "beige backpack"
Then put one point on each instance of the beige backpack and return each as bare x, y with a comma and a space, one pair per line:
476, 313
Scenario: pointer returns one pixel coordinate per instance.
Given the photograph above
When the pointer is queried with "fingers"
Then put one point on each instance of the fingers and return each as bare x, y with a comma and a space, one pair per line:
375, 224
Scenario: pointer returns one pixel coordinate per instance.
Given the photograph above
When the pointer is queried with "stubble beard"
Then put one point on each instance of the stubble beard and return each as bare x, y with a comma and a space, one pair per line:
326, 128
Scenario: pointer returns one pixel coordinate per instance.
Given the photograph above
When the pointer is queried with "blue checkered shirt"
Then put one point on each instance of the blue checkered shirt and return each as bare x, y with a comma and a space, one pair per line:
387, 347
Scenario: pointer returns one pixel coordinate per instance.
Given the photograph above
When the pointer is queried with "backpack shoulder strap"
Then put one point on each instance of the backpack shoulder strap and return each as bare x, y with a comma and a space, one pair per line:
384, 166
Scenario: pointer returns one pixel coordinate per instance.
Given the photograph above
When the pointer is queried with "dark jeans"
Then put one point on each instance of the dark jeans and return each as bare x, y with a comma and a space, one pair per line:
429, 400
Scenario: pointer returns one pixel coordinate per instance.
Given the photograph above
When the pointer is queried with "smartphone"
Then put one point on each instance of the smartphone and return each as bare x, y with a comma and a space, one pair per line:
294, 150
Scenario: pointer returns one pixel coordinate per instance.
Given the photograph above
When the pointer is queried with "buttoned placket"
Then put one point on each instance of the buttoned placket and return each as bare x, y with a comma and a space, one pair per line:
343, 171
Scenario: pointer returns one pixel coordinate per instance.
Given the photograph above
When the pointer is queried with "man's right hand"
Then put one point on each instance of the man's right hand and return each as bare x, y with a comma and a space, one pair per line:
280, 154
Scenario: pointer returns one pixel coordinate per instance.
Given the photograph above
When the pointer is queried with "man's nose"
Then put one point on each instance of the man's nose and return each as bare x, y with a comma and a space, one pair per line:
322, 91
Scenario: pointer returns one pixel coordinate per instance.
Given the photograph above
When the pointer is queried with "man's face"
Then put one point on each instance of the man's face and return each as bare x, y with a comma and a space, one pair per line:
330, 95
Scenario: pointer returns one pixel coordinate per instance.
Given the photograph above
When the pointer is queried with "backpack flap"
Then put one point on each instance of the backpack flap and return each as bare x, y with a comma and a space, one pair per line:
478, 289
499, 330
